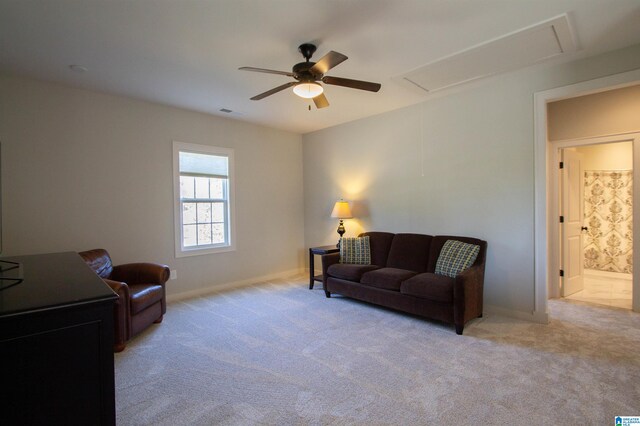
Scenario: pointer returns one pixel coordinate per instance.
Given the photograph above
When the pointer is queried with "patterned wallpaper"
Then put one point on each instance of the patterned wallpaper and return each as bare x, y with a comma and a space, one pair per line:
608, 206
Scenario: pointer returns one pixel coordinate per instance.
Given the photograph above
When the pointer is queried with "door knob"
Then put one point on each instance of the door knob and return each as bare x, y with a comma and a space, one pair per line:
584, 228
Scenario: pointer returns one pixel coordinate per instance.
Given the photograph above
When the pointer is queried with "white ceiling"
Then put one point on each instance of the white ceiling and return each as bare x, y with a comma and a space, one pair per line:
186, 53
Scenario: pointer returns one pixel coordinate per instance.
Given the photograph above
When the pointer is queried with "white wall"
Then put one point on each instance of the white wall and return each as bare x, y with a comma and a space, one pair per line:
609, 156
598, 114
82, 170
458, 164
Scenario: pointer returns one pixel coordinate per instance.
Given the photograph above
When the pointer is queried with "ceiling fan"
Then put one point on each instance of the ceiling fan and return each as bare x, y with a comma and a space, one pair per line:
309, 74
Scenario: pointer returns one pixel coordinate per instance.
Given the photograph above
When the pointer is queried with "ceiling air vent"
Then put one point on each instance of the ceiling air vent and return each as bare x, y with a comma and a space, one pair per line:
510, 52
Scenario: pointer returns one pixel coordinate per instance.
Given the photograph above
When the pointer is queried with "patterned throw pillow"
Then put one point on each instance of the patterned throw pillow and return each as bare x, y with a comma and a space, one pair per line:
455, 257
355, 250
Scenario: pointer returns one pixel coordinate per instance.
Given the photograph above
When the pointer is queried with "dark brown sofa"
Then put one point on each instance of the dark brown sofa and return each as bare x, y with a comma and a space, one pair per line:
141, 293
401, 276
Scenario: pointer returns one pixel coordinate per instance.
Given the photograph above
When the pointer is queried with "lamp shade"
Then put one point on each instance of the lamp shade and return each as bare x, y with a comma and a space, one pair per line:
341, 210
307, 90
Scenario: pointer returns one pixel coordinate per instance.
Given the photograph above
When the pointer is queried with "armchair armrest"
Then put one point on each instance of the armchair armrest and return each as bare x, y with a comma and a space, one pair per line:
328, 260
141, 273
122, 326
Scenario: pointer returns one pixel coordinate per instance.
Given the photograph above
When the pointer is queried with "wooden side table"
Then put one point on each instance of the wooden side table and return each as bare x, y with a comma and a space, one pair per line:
318, 251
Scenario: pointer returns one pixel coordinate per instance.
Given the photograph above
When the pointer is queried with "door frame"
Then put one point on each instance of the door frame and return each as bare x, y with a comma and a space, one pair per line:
555, 251
544, 246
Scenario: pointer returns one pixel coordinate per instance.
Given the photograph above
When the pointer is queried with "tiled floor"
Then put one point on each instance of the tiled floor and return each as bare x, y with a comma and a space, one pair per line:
605, 288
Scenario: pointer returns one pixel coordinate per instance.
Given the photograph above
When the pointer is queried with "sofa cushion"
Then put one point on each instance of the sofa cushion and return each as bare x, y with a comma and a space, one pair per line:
349, 272
429, 286
455, 257
380, 243
355, 251
410, 251
386, 278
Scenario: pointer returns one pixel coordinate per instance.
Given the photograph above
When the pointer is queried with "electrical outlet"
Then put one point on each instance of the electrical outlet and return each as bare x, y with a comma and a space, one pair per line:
174, 274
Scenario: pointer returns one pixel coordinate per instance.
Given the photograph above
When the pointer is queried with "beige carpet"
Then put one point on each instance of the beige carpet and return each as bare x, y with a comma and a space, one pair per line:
280, 354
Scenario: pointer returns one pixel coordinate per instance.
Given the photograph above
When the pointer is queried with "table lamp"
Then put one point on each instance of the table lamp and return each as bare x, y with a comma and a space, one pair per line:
341, 210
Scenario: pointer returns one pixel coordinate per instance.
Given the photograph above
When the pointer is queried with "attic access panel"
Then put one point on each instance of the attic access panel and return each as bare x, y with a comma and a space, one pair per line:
510, 52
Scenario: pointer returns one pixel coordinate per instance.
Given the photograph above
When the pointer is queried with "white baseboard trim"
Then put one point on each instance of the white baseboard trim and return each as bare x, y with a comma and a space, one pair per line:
534, 316
231, 285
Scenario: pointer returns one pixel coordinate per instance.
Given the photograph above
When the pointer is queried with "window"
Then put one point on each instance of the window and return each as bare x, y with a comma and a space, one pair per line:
203, 191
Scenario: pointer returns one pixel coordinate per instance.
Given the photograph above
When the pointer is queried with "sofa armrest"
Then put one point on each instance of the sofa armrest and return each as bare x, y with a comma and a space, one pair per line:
468, 294
328, 260
141, 273
121, 311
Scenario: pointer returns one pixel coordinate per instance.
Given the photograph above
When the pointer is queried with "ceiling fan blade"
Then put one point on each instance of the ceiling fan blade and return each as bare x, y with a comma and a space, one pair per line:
354, 84
290, 74
274, 90
327, 62
321, 101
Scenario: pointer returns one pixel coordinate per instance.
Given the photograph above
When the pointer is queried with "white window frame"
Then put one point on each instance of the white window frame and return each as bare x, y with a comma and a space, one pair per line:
229, 245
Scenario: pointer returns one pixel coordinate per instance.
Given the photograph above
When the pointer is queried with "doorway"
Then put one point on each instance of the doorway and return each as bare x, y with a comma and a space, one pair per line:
596, 203
557, 264
546, 238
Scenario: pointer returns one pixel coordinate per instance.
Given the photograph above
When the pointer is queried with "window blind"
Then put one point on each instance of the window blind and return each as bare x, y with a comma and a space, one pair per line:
194, 164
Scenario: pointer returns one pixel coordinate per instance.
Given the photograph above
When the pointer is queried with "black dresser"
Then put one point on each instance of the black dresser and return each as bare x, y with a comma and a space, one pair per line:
56, 343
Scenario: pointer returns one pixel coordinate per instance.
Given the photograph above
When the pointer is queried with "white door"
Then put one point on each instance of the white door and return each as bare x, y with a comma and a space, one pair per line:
572, 193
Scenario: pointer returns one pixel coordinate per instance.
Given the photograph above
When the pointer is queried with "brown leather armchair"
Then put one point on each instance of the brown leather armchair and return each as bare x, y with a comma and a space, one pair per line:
141, 293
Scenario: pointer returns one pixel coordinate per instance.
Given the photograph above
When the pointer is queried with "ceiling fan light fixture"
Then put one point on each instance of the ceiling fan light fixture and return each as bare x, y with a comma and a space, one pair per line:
308, 90
307, 75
